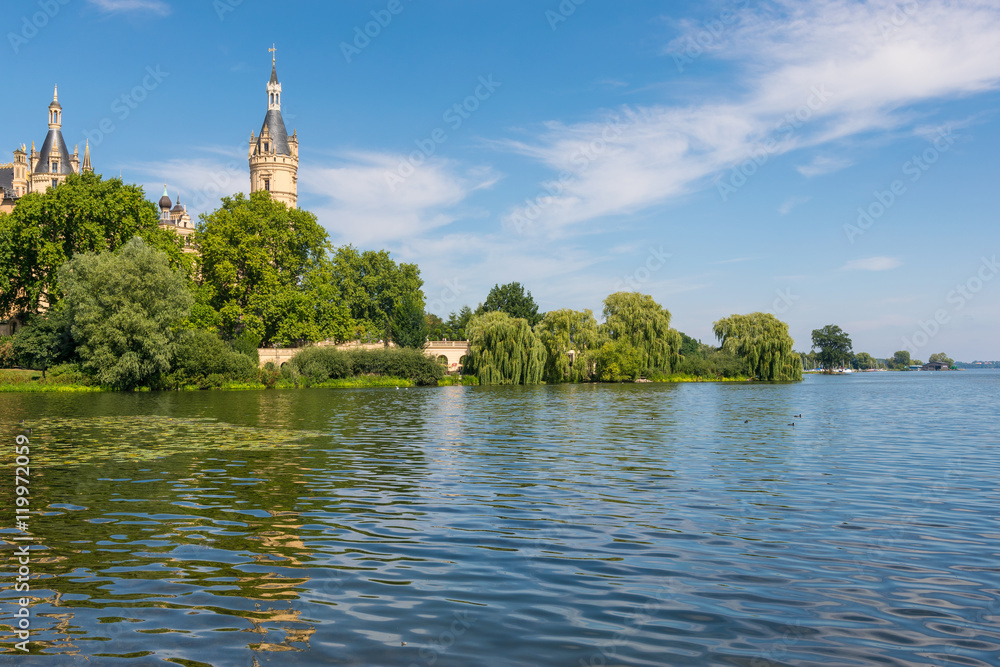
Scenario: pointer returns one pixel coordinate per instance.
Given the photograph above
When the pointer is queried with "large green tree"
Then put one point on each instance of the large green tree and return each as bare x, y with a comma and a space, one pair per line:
564, 331
83, 214
645, 325
504, 350
256, 257
125, 309
762, 341
514, 300
900, 360
834, 346
373, 286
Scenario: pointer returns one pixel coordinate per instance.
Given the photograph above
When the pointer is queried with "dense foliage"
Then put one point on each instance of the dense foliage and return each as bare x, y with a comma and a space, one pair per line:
316, 365
256, 255
374, 286
834, 347
124, 309
565, 331
504, 350
513, 300
762, 341
645, 325
83, 214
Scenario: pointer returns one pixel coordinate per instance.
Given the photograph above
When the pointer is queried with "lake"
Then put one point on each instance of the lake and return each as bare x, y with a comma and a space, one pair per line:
687, 524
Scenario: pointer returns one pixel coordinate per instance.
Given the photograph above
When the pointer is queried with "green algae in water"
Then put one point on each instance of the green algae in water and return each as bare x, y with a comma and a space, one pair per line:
81, 441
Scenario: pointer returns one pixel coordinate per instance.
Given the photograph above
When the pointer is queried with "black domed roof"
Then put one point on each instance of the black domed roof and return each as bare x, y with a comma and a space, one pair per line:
177, 207
165, 202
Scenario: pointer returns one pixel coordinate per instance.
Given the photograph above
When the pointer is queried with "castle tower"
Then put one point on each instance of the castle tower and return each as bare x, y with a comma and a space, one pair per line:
274, 156
50, 166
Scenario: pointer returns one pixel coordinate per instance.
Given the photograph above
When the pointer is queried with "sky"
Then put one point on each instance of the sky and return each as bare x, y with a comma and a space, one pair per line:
830, 162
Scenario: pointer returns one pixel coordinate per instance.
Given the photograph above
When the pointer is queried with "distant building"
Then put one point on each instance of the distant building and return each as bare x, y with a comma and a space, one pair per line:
176, 218
38, 171
274, 156
935, 366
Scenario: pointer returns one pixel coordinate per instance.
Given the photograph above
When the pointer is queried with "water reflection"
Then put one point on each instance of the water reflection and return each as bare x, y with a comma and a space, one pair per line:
503, 526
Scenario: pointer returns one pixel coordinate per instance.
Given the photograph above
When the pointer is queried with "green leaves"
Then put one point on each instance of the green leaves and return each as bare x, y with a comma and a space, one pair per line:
762, 341
83, 214
564, 331
645, 325
504, 350
256, 259
124, 309
513, 300
834, 346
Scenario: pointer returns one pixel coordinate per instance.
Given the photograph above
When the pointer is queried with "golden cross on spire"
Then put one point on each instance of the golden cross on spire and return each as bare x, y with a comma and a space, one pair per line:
274, 54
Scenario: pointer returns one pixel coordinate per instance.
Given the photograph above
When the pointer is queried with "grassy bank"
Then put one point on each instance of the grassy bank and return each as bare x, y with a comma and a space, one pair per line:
28, 381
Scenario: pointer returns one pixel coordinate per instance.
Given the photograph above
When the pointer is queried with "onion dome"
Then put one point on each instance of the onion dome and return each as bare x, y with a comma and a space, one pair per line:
165, 202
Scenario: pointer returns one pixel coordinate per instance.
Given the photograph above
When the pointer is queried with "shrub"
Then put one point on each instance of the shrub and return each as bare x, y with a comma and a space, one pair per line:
319, 364
205, 360
7, 356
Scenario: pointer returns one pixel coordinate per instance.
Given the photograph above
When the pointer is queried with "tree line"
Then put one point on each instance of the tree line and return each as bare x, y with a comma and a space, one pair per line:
100, 287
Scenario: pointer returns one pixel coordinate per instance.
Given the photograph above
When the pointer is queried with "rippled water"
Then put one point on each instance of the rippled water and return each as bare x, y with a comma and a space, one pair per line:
571, 525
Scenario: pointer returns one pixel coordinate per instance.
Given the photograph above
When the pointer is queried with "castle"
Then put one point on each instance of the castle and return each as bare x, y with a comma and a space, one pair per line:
274, 156
40, 170
274, 167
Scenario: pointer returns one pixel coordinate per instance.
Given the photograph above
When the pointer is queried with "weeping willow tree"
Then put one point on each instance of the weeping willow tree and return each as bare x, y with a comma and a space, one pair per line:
565, 331
645, 325
763, 342
504, 350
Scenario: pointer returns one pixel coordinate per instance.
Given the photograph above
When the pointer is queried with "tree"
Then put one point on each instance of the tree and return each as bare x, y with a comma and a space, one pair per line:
645, 325
864, 361
457, 324
834, 346
900, 360
513, 300
125, 308
436, 327
409, 324
618, 361
256, 255
563, 331
44, 341
762, 341
943, 358
504, 350
373, 286
82, 214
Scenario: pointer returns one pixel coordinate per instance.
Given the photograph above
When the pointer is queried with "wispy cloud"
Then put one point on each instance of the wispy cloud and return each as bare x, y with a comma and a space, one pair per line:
872, 264
361, 205
823, 164
637, 157
790, 203
116, 6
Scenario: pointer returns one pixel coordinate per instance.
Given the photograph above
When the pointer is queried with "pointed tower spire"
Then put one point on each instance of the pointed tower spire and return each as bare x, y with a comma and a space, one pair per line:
87, 169
55, 94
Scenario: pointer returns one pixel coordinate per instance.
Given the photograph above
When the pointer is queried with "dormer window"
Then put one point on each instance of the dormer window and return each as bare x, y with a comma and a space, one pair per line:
267, 147
55, 166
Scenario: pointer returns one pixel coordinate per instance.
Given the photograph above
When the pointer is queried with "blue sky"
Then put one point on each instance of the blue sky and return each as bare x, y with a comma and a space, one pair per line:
716, 155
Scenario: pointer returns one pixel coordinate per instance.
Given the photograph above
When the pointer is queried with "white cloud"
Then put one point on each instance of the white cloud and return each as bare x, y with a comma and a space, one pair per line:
113, 6
822, 164
833, 62
201, 182
790, 203
872, 264
364, 206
